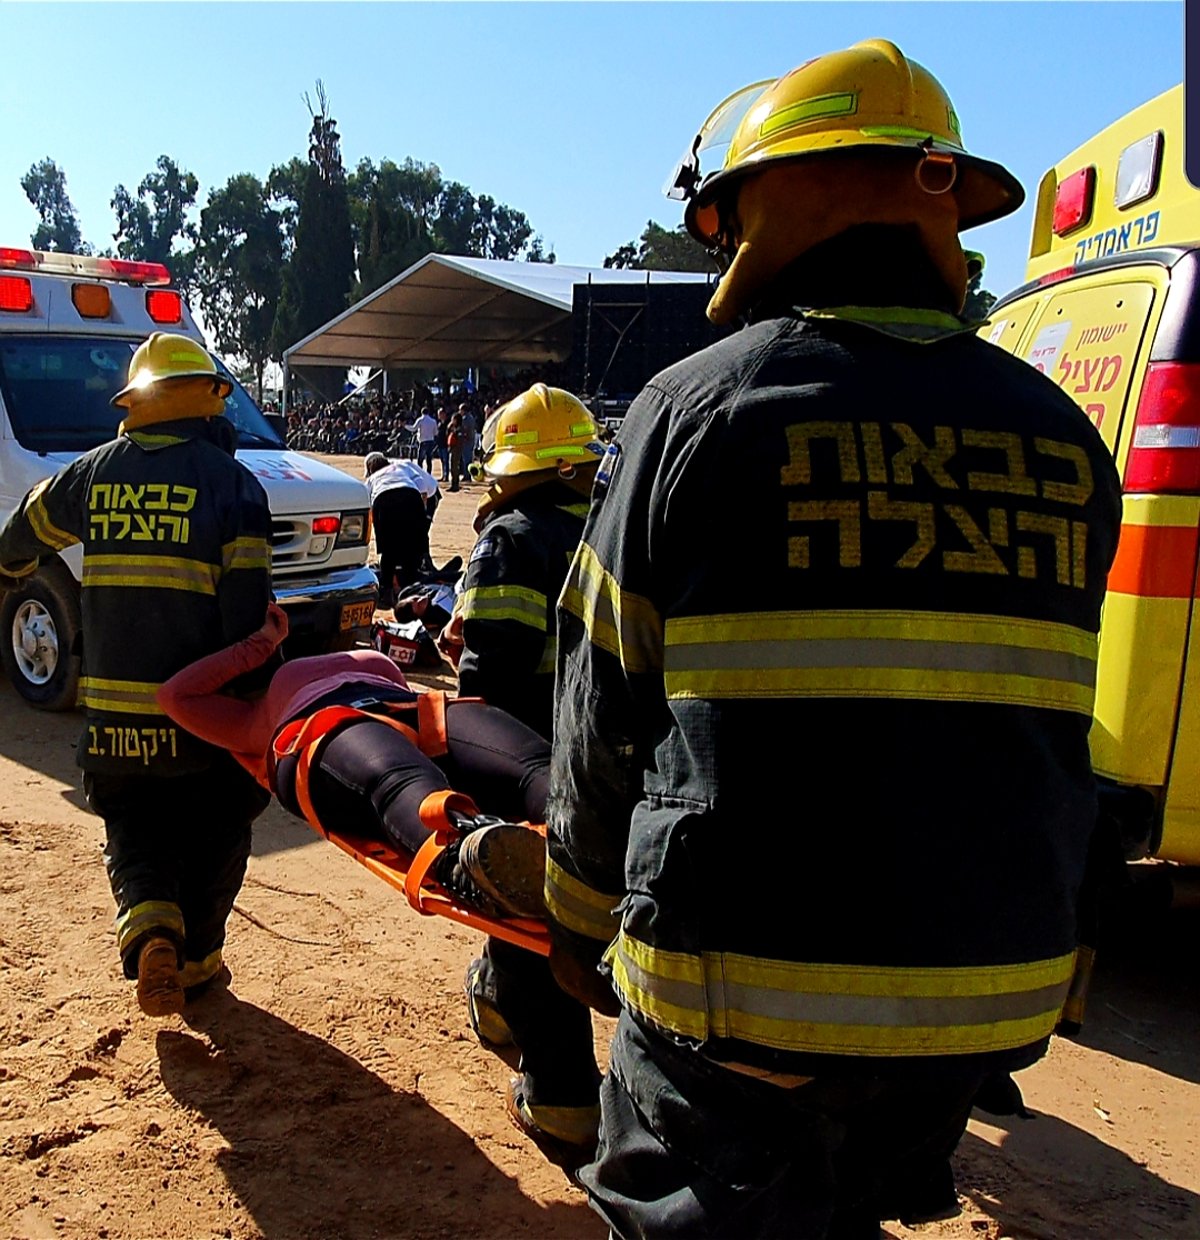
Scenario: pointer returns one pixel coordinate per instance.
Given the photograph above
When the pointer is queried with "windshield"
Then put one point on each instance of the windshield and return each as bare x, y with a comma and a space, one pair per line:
57, 391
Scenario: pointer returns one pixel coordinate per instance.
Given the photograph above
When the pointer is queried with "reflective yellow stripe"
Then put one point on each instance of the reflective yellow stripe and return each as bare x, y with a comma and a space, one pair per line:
196, 971
578, 907
44, 529
911, 323
246, 553
929, 656
517, 437
154, 441
123, 697
549, 658
562, 450
162, 572
626, 625
844, 104
147, 916
576, 510
842, 1008
505, 603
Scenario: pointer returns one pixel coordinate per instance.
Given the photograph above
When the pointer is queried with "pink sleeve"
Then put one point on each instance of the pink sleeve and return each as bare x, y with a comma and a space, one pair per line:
193, 699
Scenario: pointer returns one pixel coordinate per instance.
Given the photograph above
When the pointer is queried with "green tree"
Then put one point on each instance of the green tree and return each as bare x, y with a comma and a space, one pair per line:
661, 249
390, 209
401, 212
45, 185
150, 223
318, 277
239, 258
481, 227
285, 189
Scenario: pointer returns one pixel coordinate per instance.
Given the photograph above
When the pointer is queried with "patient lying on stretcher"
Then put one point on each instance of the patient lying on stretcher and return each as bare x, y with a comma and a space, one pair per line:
343, 738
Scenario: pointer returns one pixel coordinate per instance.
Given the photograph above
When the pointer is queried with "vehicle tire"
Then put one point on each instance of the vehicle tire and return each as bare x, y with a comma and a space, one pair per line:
39, 632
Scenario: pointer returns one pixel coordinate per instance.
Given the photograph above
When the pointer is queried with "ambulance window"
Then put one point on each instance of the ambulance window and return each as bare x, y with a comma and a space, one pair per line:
57, 392
254, 431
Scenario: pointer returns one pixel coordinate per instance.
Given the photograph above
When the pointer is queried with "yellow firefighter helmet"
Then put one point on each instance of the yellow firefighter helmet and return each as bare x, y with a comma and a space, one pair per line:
866, 96
543, 428
156, 371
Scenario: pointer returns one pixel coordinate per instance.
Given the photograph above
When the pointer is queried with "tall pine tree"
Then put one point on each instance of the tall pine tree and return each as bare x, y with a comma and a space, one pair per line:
318, 278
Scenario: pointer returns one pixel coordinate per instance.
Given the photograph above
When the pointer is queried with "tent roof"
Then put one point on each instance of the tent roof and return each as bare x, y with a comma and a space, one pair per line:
450, 311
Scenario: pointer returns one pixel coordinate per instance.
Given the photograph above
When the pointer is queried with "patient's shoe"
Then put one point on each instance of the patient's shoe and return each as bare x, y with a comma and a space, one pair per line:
498, 868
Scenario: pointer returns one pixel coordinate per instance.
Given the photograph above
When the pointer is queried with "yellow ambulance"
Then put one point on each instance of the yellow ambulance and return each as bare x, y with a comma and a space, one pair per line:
1111, 312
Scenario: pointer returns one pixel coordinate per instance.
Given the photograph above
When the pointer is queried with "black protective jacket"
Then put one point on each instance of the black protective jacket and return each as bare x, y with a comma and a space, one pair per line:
176, 565
842, 811
512, 583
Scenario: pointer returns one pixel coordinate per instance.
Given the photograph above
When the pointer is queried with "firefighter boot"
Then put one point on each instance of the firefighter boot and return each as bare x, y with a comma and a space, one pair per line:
567, 1135
159, 990
486, 1020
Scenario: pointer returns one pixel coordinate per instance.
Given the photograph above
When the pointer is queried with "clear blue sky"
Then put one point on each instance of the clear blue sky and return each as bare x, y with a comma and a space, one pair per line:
573, 113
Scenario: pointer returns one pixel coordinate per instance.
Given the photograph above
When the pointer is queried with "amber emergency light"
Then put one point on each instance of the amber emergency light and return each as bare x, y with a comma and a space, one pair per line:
91, 300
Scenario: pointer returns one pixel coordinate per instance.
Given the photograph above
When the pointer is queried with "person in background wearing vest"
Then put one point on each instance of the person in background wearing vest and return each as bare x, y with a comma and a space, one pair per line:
540, 456
828, 846
177, 532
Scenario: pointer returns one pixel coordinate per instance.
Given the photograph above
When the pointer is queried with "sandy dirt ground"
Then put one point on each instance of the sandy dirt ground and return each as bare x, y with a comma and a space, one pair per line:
336, 1090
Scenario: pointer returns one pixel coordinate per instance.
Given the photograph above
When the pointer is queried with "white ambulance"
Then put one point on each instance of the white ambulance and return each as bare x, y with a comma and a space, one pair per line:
68, 327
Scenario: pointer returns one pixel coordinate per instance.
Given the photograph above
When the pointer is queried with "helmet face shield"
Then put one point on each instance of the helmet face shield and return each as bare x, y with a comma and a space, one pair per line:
706, 152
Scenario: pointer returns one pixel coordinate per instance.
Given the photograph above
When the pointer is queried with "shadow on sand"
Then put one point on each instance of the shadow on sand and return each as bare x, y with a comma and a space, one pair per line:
320, 1146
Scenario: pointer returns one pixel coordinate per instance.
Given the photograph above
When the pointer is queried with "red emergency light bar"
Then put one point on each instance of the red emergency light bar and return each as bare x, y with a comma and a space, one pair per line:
55, 263
1073, 200
20, 259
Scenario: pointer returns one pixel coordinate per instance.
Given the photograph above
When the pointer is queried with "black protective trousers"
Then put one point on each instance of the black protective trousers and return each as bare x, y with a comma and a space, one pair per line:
401, 536
370, 776
689, 1148
176, 851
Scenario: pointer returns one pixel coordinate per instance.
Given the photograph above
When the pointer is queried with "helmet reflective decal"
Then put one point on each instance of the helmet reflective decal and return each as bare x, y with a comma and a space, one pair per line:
809, 110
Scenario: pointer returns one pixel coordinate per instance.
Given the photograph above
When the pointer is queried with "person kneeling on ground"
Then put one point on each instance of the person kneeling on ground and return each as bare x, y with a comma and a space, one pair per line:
368, 775
401, 497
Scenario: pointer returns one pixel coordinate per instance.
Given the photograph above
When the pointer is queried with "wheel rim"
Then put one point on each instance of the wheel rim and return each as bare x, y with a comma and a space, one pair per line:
35, 642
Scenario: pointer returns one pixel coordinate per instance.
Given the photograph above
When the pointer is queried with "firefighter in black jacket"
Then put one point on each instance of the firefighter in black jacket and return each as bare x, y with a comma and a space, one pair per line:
176, 532
541, 454
835, 837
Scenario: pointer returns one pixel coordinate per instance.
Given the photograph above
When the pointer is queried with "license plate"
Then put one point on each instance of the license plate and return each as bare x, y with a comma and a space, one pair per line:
355, 615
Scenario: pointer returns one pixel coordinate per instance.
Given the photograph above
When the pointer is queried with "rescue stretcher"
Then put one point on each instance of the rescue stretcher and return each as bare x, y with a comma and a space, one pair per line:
412, 875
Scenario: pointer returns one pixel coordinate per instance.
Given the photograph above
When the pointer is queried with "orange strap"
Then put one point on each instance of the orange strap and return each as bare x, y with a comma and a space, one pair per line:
307, 736
431, 723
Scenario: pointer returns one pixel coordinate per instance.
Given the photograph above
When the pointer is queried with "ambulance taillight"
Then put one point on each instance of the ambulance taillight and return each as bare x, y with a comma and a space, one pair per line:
1164, 457
164, 306
16, 294
1073, 201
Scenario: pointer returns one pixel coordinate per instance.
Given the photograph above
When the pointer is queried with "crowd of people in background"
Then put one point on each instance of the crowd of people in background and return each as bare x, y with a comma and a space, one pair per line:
427, 424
